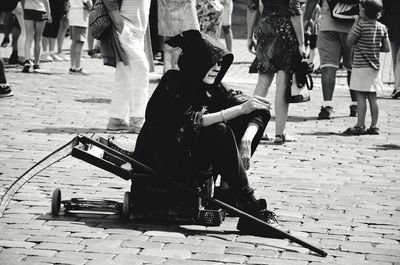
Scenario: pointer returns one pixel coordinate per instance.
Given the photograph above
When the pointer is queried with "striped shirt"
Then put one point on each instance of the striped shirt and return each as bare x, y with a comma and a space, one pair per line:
367, 48
137, 12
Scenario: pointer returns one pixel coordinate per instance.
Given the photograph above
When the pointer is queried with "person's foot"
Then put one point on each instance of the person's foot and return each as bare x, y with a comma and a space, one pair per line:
353, 111
135, 124
5, 91
258, 209
14, 59
5, 42
65, 57
115, 124
373, 130
396, 93
56, 58
27, 66
355, 130
283, 138
325, 113
80, 71
36, 67
46, 58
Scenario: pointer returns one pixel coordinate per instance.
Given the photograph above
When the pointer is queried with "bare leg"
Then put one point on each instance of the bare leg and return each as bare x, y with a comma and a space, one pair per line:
373, 105
78, 54
263, 83
361, 108
228, 36
39, 27
29, 27
328, 80
281, 104
395, 49
61, 34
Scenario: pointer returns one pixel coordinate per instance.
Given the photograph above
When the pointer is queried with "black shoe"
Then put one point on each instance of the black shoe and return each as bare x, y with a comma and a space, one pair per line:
259, 210
325, 113
5, 42
13, 58
5, 91
27, 66
396, 93
353, 111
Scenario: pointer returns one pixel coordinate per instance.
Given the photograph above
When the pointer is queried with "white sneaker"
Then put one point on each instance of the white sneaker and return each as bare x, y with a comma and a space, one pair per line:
283, 138
46, 58
56, 58
135, 124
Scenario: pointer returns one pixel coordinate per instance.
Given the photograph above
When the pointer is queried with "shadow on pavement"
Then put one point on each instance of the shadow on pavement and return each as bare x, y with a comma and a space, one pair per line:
73, 130
323, 133
107, 221
386, 147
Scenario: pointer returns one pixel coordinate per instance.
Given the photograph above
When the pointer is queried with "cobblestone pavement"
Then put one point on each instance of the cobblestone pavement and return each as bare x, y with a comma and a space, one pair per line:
339, 193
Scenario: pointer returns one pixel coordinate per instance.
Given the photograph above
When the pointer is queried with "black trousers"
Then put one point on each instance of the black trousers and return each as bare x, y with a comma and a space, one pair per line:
219, 148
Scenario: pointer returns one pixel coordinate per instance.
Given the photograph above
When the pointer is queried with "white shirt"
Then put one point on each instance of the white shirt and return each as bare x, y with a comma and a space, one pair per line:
137, 12
78, 14
37, 5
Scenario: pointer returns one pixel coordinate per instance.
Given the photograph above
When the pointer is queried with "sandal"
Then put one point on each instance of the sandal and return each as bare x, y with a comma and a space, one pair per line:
373, 130
356, 130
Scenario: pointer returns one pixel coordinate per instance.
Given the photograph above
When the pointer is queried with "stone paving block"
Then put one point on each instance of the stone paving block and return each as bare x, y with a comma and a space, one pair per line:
54, 239
56, 260
15, 244
34, 232
270, 261
137, 259
166, 239
59, 246
28, 252
219, 257
252, 252
190, 262
85, 255
142, 244
178, 254
382, 258
194, 248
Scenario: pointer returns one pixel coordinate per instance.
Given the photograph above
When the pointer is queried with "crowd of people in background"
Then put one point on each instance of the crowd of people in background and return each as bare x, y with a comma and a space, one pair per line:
279, 32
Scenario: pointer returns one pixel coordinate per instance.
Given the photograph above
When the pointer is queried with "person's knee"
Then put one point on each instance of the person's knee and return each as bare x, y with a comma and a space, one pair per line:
226, 29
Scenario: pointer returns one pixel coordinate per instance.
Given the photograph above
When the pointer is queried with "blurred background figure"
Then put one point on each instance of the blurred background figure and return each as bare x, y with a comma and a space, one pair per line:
5, 90
391, 18
209, 13
174, 17
64, 25
36, 12
227, 23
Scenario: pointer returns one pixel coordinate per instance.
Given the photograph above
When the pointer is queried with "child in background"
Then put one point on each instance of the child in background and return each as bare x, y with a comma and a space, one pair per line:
78, 21
369, 37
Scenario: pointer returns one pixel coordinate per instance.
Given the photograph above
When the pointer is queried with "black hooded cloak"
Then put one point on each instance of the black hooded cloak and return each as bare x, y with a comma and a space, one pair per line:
169, 137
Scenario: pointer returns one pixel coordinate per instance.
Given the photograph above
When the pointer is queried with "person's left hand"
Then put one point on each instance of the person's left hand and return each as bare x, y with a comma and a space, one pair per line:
302, 50
245, 152
49, 18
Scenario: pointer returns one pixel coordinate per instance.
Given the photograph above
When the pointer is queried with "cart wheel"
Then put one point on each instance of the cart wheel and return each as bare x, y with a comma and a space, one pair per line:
126, 206
56, 202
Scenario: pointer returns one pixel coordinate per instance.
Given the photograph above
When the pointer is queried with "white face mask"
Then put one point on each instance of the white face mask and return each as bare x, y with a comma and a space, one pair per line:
212, 74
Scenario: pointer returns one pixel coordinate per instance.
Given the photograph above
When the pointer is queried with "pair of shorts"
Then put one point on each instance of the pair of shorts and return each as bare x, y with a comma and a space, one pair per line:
51, 30
227, 13
35, 15
332, 48
78, 33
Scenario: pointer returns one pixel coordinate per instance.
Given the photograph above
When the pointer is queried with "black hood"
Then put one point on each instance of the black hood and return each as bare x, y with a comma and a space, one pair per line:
199, 54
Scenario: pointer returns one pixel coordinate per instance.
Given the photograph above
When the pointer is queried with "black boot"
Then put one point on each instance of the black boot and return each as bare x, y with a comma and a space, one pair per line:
258, 209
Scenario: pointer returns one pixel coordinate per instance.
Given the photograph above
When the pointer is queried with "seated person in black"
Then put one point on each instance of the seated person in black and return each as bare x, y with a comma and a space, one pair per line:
197, 127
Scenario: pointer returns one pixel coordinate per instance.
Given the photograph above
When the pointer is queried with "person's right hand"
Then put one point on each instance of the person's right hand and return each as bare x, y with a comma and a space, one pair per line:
309, 23
250, 45
255, 103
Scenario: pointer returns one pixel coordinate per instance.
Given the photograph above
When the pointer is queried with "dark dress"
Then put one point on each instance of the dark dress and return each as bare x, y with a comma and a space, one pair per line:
172, 140
391, 18
277, 45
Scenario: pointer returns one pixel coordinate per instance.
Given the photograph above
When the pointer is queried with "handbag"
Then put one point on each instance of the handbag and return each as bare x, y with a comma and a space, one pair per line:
99, 20
300, 83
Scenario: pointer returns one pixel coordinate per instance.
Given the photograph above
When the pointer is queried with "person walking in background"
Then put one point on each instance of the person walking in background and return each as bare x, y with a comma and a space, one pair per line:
391, 18
332, 48
280, 41
36, 12
64, 25
370, 37
209, 13
227, 23
78, 21
51, 31
19, 50
175, 16
5, 90
130, 93
15, 33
